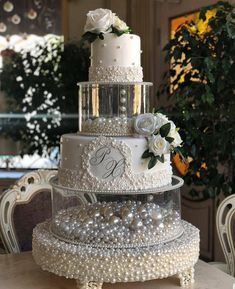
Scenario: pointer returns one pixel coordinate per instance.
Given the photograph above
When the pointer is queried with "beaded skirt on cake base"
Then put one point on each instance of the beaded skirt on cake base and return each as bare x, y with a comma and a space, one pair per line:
110, 238
91, 267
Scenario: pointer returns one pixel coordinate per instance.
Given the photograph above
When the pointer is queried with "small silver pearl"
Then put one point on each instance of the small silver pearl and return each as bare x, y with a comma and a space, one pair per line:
123, 100
150, 198
114, 220
156, 215
135, 224
123, 91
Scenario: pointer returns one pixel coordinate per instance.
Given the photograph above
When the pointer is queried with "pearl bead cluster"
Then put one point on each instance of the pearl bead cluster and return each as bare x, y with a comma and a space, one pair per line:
88, 263
113, 224
116, 74
117, 126
123, 100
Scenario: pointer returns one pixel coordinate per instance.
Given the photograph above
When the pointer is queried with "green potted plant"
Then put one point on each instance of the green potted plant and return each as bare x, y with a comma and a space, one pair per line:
201, 80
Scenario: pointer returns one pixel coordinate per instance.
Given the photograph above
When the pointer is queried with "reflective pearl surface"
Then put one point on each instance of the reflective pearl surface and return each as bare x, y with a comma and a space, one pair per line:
117, 224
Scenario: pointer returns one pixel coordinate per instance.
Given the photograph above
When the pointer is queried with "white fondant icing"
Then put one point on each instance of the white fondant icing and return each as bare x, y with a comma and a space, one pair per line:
122, 52
75, 171
128, 52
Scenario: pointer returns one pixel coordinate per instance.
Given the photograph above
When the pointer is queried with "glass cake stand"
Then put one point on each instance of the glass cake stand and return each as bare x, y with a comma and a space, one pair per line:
117, 237
108, 108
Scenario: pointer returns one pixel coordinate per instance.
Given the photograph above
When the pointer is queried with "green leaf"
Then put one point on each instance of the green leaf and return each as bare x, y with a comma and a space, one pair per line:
152, 162
89, 36
165, 129
208, 96
169, 139
101, 36
177, 54
120, 32
179, 150
160, 158
147, 154
202, 14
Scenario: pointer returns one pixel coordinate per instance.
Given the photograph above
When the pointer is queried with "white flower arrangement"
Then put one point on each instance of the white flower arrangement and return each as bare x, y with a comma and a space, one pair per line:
162, 136
102, 21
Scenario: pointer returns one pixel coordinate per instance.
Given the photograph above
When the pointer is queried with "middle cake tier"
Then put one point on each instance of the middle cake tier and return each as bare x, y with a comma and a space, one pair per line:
105, 164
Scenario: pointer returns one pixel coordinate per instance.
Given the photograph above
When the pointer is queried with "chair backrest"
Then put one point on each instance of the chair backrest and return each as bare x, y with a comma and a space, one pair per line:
22, 192
224, 223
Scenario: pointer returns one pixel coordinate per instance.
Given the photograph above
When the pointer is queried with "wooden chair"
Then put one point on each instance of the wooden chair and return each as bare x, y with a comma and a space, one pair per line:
25, 189
224, 223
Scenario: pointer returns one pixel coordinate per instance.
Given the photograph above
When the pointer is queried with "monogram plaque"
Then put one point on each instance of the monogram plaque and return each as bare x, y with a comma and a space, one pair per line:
107, 163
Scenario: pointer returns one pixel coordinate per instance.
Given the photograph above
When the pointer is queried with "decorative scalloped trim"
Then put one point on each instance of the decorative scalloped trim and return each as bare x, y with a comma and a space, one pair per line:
116, 74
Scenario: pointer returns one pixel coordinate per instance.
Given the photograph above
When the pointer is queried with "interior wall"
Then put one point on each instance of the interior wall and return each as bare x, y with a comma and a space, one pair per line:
77, 10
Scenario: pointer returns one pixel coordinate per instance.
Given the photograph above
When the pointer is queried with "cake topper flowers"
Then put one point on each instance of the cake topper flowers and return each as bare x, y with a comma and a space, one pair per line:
102, 21
162, 136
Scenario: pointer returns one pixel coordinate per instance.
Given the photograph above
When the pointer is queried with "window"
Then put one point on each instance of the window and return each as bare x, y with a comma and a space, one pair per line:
24, 25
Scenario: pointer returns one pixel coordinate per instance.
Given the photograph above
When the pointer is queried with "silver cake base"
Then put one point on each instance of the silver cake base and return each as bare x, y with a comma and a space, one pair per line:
91, 267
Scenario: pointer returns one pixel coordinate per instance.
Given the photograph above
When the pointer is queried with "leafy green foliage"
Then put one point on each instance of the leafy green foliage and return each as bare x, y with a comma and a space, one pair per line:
120, 32
147, 154
165, 129
44, 81
153, 159
89, 36
152, 162
202, 84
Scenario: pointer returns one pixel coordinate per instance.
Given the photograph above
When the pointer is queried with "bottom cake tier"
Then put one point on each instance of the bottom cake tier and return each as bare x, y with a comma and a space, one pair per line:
92, 266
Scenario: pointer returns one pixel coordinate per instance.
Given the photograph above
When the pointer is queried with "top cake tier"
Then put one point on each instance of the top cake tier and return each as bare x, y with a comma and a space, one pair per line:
116, 59
115, 52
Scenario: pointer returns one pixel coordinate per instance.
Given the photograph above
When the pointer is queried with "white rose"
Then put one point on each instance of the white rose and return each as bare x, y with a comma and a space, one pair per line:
145, 124
119, 24
176, 136
99, 21
161, 120
173, 127
158, 145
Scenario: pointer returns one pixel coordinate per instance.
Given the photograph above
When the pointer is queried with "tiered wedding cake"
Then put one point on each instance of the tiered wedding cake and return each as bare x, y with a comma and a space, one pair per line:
116, 203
